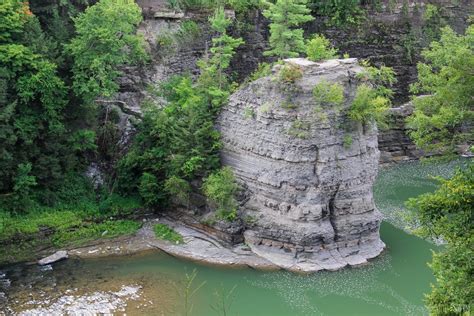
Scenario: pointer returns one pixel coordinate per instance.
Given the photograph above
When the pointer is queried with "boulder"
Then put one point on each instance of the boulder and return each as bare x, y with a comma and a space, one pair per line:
57, 256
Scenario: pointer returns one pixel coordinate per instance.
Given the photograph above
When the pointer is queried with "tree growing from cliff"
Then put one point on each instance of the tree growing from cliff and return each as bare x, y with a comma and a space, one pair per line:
178, 143
441, 121
444, 116
105, 40
286, 39
222, 50
448, 213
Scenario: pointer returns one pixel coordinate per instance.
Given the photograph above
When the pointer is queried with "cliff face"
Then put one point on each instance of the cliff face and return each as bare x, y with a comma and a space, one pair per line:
390, 35
309, 203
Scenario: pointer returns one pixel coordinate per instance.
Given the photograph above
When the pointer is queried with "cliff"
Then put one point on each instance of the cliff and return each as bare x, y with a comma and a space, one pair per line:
308, 193
392, 35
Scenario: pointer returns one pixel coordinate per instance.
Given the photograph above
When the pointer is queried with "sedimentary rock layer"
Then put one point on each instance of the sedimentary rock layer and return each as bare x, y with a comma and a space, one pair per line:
307, 169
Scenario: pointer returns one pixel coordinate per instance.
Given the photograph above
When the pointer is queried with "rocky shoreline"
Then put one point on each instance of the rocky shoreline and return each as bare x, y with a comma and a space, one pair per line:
198, 246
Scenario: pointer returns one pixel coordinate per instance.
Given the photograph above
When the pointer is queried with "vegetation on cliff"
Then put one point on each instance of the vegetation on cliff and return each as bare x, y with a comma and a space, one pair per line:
48, 121
56, 62
444, 116
286, 39
442, 120
178, 143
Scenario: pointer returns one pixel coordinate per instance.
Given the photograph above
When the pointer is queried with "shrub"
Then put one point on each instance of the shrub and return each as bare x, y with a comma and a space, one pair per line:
149, 188
220, 187
263, 70
325, 93
289, 73
340, 12
249, 113
163, 231
381, 78
347, 141
109, 229
368, 106
178, 189
319, 48
299, 129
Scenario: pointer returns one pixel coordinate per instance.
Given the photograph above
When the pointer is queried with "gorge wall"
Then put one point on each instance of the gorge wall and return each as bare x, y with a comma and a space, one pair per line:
309, 203
393, 33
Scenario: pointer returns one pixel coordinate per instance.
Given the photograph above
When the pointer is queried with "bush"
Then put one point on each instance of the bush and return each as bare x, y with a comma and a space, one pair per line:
347, 141
381, 78
163, 231
289, 73
220, 187
149, 188
299, 129
340, 12
319, 48
178, 189
263, 70
368, 106
325, 93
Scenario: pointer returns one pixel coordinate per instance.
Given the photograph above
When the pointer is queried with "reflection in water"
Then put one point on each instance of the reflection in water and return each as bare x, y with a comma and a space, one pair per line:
392, 284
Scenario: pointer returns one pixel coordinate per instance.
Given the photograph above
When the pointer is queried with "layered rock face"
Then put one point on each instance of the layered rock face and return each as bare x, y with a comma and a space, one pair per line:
307, 170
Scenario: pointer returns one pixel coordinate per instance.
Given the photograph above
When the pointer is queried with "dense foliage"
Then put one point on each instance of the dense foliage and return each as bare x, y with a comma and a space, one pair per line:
178, 143
33, 99
105, 39
286, 39
441, 121
47, 117
444, 115
339, 12
448, 213
220, 187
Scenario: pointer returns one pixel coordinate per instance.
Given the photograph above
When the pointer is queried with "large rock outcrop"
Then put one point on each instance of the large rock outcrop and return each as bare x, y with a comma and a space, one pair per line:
307, 172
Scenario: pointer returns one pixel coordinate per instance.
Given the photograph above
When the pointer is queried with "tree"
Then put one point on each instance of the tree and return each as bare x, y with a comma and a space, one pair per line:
220, 187
33, 98
222, 50
285, 39
444, 117
448, 213
105, 40
442, 120
319, 48
178, 143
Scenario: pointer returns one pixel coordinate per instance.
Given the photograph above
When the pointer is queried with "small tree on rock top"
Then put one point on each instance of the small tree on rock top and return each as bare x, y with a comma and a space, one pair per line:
285, 39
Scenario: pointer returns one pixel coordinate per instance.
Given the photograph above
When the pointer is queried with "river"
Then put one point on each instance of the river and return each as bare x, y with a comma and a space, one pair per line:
392, 284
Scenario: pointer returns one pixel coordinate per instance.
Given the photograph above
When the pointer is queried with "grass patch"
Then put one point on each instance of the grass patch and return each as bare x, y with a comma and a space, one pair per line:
109, 229
163, 231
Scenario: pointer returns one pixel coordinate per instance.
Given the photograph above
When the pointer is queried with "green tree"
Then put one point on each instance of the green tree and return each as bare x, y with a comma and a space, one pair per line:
105, 40
222, 50
178, 143
444, 116
220, 187
33, 98
286, 40
442, 120
319, 48
448, 213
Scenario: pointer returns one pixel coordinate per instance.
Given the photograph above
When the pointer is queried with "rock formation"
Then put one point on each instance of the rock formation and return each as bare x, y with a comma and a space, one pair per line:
309, 203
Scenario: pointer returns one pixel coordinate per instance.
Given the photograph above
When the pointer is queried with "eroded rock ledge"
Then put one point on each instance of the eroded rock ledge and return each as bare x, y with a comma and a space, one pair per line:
309, 203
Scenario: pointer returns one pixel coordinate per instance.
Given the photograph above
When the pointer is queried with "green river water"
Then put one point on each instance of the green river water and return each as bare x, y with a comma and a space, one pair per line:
393, 284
